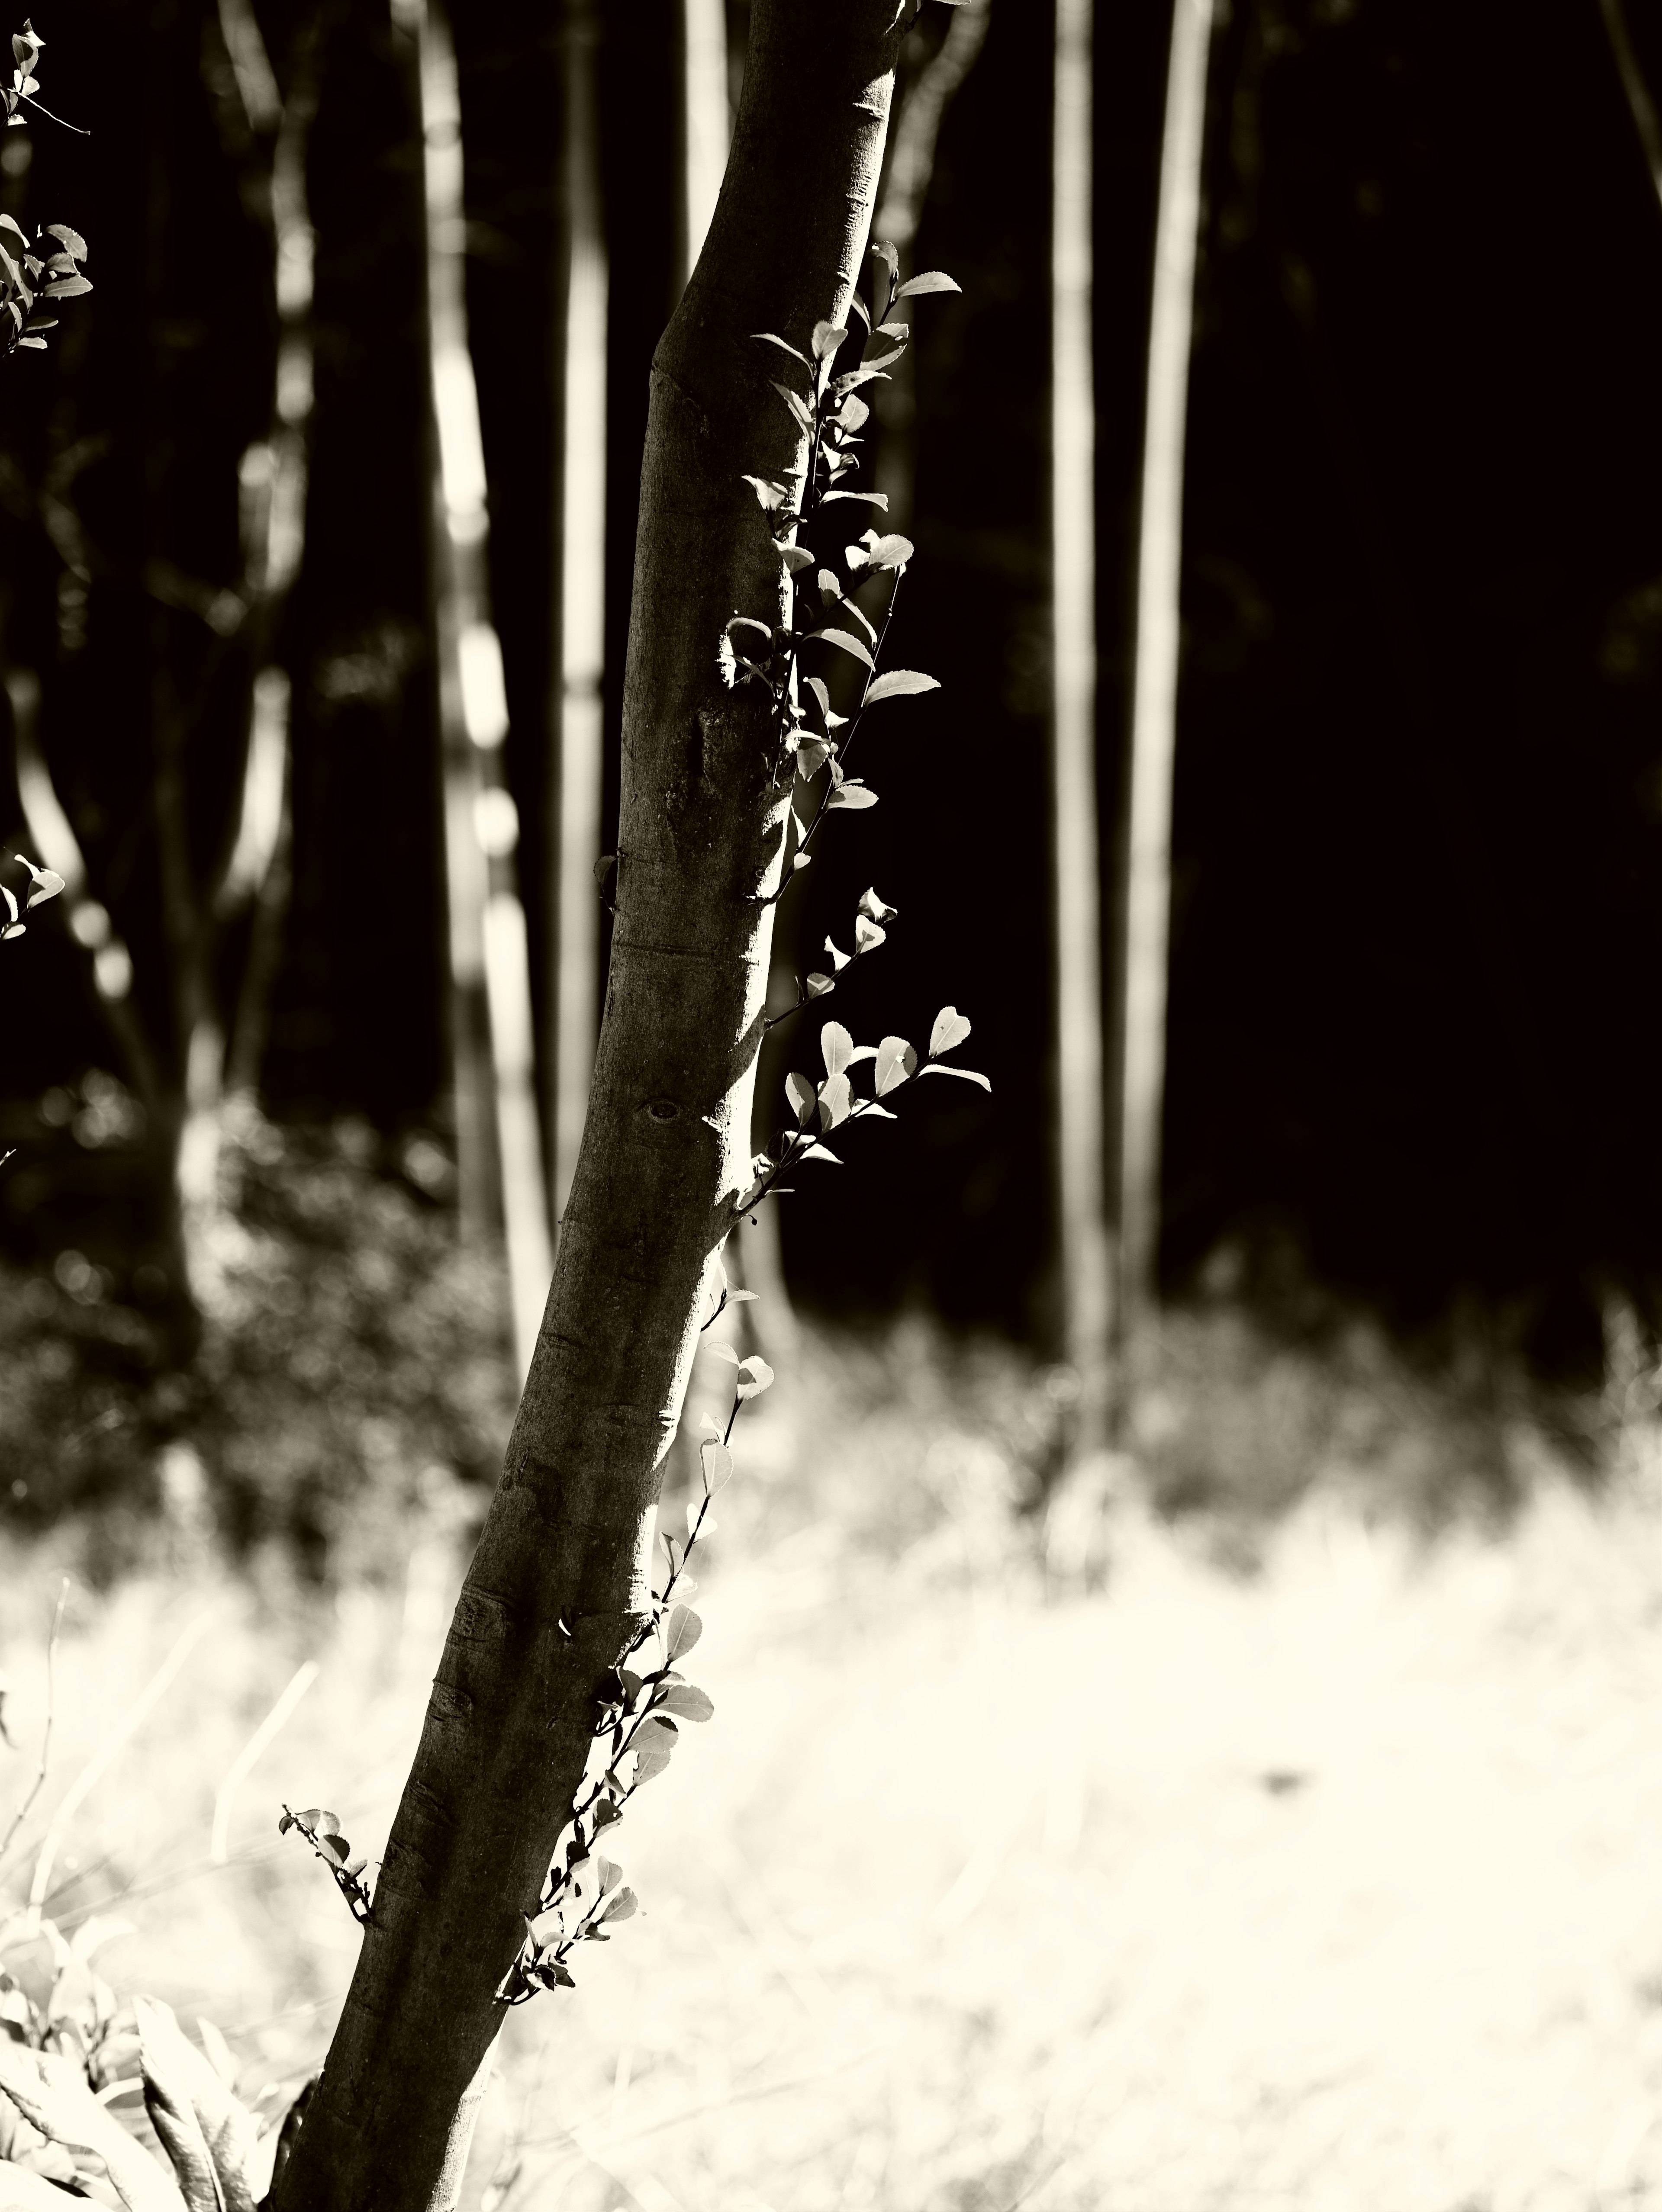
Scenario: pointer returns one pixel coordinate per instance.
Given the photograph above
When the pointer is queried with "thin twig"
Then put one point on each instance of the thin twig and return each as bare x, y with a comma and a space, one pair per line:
39, 1783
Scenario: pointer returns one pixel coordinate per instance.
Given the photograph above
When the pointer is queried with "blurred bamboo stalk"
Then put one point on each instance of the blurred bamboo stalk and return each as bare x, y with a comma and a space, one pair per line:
908, 171
1145, 928
580, 704
1640, 106
491, 983
1076, 867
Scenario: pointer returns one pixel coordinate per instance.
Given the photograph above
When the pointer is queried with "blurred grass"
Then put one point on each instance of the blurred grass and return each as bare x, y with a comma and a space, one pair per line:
1309, 1862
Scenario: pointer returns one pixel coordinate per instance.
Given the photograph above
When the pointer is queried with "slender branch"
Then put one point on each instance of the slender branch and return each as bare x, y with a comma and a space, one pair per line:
39, 1783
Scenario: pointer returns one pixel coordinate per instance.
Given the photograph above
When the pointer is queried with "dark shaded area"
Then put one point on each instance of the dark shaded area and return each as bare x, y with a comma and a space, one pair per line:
1416, 820
1420, 780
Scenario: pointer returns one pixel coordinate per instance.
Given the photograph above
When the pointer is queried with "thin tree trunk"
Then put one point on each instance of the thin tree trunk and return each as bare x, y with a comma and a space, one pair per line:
559, 1583
1076, 871
1147, 879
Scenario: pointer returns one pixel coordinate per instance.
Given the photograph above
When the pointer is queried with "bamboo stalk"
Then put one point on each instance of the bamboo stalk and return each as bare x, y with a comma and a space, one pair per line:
581, 703
1076, 868
1148, 886
489, 975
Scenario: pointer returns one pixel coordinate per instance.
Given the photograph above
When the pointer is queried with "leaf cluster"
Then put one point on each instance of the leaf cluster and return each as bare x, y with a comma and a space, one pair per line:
809, 742
321, 1830
640, 1710
48, 265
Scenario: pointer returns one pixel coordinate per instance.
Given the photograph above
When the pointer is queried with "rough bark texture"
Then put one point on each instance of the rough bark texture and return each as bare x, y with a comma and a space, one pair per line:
560, 1578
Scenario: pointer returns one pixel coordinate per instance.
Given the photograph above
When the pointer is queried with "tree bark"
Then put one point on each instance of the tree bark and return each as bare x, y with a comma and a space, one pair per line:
560, 1581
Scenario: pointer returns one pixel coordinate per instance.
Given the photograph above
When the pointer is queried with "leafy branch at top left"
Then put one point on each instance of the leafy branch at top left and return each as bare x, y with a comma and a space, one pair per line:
47, 267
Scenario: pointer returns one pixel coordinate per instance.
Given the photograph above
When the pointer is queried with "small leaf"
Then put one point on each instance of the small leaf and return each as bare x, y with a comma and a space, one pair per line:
547, 1928
839, 960
900, 683
848, 644
895, 1061
854, 413
801, 1093
891, 552
852, 793
829, 590
967, 1074
873, 907
820, 1152
796, 557
810, 756
951, 1027
932, 280
755, 1376
717, 1461
817, 985
70, 239
68, 287
767, 337
827, 337
770, 497
624, 1906
718, 1348
836, 1044
687, 1703
868, 935
682, 1629
816, 685
878, 499
836, 1101
321, 1823
797, 406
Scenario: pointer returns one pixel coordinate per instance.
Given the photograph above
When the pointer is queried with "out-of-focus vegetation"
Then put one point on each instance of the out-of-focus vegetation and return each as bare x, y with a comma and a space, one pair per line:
354, 1360
1303, 1863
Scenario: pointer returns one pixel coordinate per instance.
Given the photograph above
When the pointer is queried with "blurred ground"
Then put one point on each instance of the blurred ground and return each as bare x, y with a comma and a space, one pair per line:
1312, 1870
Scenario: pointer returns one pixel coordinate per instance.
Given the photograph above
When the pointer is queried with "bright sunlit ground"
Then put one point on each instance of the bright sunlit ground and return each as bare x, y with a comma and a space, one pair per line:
1333, 1886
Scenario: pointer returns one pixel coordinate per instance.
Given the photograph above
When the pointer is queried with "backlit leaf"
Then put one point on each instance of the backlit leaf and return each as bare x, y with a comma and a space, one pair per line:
770, 497
878, 499
836, 1101
717, 1462
839, 960
817, 985
820, 1152
900, 683
801, 1093
868, 935
623, 1906
852, 793
965, 1074
827, 337
796, 557
932, 280
951, 1027
755, 1376
873, 907
682, 1629
891, 552
835, 1045
687, 1702
896, 1060
848, 642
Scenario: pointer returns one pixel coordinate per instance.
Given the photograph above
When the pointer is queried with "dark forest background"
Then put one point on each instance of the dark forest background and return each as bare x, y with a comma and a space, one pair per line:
1414, 1053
